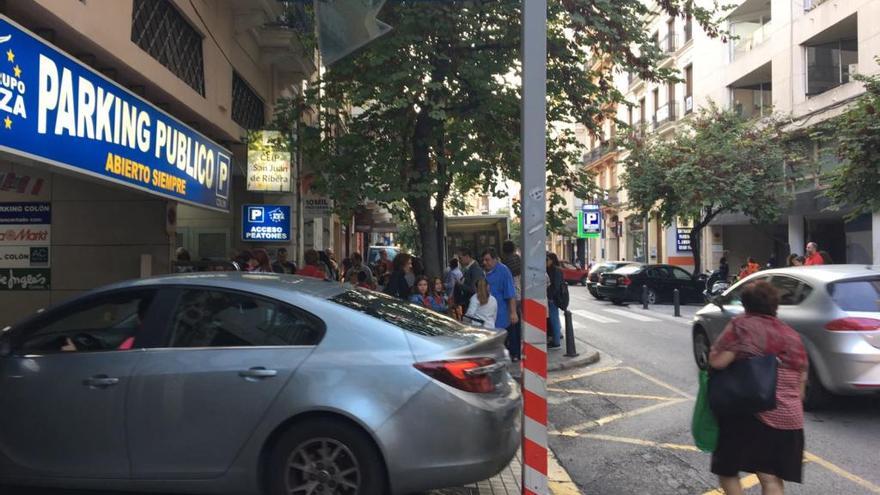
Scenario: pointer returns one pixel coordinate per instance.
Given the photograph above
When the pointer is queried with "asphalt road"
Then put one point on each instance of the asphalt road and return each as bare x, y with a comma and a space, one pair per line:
622, 426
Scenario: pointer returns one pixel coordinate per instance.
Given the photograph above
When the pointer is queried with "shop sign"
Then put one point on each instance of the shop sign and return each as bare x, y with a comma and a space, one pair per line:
59, 111
316, 206
24, 279
24, 256
265, 223
25, 213
24, 235
683, 239
268, 162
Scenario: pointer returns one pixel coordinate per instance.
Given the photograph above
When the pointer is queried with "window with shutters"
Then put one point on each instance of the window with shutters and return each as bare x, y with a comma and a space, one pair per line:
159, 29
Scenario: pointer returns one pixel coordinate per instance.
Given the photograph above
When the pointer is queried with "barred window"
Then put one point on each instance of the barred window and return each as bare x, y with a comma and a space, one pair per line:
247, 107
163, 32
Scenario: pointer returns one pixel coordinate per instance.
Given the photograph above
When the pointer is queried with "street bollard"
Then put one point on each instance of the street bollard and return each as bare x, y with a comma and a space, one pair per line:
676, 300
644, 297
570, 348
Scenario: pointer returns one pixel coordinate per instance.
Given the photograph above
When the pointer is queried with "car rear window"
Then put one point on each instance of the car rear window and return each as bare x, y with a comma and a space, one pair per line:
857, 295
407, 316
629, 269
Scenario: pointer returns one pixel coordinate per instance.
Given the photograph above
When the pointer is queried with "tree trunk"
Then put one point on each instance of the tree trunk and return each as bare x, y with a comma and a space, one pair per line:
696, 246
427, 227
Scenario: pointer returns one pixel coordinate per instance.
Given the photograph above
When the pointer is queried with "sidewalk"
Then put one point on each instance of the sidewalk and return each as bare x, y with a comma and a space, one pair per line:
508, 482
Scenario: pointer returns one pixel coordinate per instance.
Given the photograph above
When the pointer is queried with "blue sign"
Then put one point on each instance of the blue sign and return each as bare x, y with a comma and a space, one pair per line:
265, 223
56, 110
25, 213
683, 239
592, 219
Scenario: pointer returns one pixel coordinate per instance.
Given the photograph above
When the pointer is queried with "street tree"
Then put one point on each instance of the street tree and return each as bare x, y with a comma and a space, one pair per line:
856, 182
716, 162
434, 106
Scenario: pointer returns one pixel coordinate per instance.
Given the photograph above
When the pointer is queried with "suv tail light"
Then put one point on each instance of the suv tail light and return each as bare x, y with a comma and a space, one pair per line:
470, 375
853, 324
625, 281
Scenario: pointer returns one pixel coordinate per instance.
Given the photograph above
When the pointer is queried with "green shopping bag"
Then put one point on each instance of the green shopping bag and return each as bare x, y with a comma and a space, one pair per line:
704, 426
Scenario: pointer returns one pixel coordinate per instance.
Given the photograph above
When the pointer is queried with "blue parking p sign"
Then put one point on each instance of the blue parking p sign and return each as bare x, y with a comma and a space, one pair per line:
265, 223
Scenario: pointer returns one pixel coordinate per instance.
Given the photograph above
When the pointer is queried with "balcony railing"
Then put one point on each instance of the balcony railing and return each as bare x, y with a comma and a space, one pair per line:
750, 36
599, 151
664, 114
812, 4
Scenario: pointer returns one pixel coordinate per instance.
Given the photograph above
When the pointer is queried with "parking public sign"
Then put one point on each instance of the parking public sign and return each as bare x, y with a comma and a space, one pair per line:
265, 223
590, 222
58, 110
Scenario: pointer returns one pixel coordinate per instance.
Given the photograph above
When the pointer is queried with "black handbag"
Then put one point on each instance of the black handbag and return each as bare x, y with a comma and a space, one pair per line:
747, 386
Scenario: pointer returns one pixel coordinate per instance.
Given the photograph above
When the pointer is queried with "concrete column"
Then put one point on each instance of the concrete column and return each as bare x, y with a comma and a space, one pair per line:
796, 240
875, 237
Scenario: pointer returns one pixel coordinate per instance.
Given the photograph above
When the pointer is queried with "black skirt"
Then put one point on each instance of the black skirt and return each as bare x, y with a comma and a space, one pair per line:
745, 444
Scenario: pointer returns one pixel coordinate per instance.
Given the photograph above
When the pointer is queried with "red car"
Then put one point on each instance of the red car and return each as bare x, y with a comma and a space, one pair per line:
572, 274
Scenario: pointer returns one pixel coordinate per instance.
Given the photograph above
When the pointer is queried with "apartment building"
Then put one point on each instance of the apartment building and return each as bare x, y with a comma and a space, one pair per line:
792, 58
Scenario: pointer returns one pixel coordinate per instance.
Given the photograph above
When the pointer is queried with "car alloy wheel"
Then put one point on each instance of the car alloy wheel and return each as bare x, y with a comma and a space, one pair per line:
701, 349
652, 296
325, 456
322, 465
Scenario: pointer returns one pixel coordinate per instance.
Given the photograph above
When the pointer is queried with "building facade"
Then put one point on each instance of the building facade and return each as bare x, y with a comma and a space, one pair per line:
792, 59
111, 80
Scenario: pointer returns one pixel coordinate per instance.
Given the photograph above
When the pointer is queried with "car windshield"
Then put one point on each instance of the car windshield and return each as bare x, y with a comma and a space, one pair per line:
857, 295
407, 316
628, 270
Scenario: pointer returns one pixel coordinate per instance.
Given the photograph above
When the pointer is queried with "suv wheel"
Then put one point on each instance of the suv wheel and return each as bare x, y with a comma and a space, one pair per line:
701, 348
816, 396
325, 456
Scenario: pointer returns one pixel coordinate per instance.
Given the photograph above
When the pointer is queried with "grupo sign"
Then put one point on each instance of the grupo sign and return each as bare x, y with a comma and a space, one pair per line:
268, 162
59, 111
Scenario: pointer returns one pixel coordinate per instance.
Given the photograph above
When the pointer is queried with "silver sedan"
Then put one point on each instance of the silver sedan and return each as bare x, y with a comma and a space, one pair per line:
252, 383
835, 309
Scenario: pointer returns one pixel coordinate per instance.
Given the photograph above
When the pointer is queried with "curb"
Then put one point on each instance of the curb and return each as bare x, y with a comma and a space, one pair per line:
590, 356
558, 479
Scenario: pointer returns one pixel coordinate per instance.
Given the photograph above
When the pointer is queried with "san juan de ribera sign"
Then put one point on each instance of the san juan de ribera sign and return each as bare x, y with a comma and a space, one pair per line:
56, 110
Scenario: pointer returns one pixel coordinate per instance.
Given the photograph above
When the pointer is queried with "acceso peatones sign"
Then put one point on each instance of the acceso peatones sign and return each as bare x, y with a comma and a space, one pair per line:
54, 109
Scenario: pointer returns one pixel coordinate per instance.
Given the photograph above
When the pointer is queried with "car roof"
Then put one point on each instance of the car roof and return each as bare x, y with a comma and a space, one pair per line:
825, 273
258, 282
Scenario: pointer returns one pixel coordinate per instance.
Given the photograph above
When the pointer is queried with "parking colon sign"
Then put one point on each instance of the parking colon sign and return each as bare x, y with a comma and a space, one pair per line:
266, 223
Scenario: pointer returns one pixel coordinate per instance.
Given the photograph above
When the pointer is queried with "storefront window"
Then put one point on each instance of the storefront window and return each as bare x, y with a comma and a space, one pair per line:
829, 65
636, 239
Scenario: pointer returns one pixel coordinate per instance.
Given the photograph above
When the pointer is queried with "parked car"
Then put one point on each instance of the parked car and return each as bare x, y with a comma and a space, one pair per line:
836, 311
242, 383
625, 284
573, 274
598, 269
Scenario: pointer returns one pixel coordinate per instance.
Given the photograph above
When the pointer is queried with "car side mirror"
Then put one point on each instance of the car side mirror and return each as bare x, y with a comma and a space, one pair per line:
718, 301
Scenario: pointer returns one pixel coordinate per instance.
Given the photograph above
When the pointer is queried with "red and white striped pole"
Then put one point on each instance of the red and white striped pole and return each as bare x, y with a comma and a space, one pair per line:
534, 182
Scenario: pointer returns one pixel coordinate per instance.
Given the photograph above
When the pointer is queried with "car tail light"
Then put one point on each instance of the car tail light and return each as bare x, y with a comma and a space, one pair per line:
853, 324
625, 281
470, 375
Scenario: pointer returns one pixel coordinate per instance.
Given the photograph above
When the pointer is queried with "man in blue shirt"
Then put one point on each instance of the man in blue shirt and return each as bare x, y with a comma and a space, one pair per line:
501, 287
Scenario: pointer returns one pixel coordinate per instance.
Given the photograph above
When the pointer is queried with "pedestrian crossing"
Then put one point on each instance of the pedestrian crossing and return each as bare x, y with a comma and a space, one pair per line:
630, 315
593, 316
616, 315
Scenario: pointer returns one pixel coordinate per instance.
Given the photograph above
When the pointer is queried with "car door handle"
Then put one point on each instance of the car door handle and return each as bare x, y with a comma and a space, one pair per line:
101, 381
258, 372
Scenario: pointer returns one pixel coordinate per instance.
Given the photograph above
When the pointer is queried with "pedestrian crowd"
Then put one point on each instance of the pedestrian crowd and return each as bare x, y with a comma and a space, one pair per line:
813, 256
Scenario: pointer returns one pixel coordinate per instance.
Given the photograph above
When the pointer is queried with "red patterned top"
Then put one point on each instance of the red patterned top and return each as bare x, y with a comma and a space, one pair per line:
752, 335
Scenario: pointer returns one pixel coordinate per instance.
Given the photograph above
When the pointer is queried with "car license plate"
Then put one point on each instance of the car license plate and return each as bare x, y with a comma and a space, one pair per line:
611, 281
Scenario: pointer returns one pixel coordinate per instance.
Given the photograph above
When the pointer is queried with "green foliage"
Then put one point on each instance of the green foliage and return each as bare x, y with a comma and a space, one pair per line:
433, 107
717, 162
856, 183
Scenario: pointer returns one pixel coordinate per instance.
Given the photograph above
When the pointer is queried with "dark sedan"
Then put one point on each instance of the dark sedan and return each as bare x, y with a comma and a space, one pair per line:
625, 284
598, 269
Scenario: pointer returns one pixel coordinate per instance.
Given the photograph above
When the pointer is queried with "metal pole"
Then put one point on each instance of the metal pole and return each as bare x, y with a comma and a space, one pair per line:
676, 300
534, 243
644, 297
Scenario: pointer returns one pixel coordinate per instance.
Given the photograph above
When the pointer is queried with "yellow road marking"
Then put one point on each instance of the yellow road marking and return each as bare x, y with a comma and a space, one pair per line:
842, 473
659, 382
558, 480
572, 431
638, 441
576, 376
610, 394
